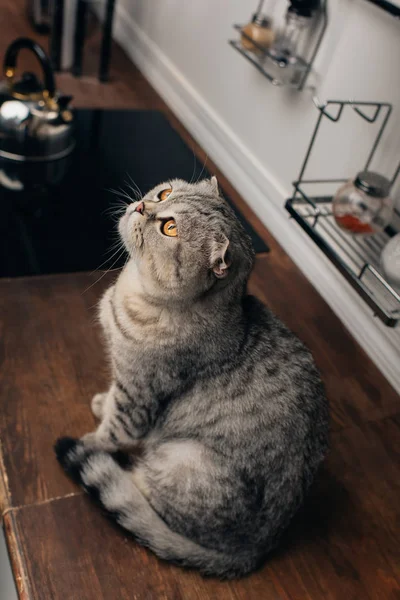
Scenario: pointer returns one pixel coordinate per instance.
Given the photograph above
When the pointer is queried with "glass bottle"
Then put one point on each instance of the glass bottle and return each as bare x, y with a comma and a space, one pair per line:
285, 48
363, 205
298, 17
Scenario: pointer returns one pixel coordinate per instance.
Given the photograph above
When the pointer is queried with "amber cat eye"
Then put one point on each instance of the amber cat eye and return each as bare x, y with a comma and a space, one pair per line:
169, 228
163, 195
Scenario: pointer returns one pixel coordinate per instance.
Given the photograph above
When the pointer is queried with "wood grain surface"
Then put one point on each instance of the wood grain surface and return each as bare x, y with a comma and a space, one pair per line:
344, 544
51, 365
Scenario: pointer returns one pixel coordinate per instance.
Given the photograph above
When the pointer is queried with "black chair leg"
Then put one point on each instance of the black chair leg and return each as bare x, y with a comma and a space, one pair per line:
79, 37
56, 34
105, 54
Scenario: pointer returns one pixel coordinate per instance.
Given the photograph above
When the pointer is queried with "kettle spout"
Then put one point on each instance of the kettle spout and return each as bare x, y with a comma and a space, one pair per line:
65, 113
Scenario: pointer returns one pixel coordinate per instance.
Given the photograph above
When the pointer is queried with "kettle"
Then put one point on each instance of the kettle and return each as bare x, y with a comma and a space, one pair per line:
35, 122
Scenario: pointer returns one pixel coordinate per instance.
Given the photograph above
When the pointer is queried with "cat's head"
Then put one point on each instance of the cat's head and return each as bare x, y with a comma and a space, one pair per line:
186, 240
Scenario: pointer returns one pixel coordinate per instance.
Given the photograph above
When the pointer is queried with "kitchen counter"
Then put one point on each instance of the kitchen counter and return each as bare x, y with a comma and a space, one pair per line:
345, 541
344, 544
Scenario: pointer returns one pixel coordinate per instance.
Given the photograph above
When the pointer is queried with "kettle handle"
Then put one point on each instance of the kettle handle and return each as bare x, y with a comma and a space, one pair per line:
10, 62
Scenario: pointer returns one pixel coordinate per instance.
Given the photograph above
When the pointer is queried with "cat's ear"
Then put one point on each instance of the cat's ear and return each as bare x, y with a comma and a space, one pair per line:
214, 183
220, 261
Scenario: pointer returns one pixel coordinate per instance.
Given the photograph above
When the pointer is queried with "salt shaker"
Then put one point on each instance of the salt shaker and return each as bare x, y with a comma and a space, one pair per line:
363, 205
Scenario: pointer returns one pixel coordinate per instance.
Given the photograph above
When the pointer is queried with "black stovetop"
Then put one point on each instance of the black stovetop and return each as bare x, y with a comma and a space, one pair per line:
61, 220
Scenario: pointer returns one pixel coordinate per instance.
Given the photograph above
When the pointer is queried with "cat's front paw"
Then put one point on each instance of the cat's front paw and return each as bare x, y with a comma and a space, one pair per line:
70, 453
98, 441
97, 405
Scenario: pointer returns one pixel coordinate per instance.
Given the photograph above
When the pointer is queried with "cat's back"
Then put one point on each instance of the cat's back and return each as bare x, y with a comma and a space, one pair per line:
270, 383
276, 353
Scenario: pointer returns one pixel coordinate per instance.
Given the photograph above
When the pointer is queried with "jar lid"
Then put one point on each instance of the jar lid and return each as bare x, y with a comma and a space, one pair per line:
261, 20
303, 8
373, 184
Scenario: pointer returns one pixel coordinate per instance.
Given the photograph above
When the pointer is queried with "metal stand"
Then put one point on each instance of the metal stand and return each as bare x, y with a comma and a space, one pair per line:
56, 33
277, 73
357, 257
390, 8
106, 43
79, 37
80, 34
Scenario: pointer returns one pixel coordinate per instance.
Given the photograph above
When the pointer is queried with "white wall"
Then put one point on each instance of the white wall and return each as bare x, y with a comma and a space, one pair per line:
359, 59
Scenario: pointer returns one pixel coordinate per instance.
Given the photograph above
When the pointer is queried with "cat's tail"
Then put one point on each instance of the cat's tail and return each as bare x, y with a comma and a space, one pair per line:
113, 488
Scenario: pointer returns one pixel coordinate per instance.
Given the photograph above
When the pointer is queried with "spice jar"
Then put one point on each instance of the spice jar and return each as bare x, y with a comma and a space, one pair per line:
363, 205
260, 31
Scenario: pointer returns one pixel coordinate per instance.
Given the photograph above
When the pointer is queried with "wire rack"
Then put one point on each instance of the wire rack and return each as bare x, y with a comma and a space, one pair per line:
279, 73
357, 257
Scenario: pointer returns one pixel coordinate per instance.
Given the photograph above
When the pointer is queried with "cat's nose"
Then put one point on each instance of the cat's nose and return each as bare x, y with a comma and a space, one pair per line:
139, 208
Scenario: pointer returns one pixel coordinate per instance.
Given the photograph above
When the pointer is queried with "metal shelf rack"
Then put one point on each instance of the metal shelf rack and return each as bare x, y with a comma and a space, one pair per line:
357, 257
279, 73
388, 7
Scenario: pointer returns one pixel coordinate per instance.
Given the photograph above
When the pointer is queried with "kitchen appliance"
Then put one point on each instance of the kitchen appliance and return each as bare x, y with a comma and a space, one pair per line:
35, 122
36, 125
66, 222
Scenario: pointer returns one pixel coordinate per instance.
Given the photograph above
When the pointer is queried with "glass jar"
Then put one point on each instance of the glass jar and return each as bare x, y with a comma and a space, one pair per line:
285, 47
363, 205
259, 30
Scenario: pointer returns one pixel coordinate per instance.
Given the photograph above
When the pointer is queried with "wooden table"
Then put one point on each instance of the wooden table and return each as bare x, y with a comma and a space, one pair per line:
344, 544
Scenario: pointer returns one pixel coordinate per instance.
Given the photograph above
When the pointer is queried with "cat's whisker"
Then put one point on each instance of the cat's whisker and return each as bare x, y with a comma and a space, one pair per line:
117, 248
115, 208
103, 274
133, 188
121, 194
133, 182
194, 167
202, 170
115, 212
116, 269
136, 196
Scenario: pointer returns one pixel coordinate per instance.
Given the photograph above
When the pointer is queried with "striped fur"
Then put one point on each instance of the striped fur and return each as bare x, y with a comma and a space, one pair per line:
225, 404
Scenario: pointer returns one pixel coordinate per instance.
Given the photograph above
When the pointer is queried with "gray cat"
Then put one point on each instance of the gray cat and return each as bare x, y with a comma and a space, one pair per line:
224, 401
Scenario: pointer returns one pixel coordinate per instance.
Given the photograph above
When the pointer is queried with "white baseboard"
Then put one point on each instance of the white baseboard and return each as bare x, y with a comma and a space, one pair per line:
261, 190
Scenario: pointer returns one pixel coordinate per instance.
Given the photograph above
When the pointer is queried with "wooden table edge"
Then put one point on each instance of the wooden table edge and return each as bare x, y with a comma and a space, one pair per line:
18, 565
5, 493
